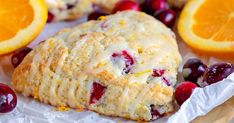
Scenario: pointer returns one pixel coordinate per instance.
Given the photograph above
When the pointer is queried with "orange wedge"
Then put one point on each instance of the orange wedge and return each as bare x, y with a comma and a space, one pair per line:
208, 25
20, 22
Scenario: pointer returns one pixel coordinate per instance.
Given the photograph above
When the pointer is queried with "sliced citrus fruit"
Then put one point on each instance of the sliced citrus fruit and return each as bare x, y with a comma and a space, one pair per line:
20, 22
208, 25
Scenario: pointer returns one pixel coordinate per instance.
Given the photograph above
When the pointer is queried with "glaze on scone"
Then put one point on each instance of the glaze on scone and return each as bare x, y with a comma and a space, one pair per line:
72, 9
121, 65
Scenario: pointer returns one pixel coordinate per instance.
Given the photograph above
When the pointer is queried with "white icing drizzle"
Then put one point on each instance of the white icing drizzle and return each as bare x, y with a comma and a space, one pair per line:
45, 78
122, 100
71, 94
138, 98
33, 69
54, 86
73, 86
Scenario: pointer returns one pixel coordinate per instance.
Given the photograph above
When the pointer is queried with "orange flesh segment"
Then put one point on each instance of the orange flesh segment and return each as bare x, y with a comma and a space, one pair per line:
214, 20
15, 19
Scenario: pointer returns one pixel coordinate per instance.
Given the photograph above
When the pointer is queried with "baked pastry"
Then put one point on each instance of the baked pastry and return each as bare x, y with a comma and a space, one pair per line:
72, 9
120, 65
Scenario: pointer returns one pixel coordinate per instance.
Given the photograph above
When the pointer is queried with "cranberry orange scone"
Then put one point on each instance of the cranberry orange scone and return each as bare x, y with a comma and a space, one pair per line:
72, 9
121, 65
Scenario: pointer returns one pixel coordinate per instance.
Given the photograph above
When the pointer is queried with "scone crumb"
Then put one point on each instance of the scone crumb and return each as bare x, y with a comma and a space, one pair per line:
102, 18
35, 93
79, 109
62, 108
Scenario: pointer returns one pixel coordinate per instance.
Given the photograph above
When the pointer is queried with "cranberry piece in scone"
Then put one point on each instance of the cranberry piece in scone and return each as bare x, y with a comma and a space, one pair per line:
157, 73
96, 93
125, 57
155, 113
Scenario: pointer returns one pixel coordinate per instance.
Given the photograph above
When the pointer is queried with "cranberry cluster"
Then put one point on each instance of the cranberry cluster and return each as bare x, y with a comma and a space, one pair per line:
157, 8
197, 74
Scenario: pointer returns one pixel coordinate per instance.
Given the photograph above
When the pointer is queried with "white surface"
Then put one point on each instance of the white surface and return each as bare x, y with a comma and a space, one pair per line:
31, 111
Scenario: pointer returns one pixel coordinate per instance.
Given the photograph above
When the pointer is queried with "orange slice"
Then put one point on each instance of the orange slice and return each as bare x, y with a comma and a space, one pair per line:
208, 25
20, 22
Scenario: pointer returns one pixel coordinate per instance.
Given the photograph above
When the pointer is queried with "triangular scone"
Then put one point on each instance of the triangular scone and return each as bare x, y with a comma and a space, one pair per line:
121, 65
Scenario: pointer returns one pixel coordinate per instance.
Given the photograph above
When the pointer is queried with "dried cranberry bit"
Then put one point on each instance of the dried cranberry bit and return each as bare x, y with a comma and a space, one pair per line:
128, 59
8, 99
217, 72
19, 55
50, 17
166, 81
158, 72
154, 112
96, 93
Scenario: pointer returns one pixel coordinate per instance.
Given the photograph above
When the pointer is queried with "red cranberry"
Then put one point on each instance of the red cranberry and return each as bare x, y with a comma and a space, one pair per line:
96, 14
154, 112
217, 72
152, 6
8, 99
183, 91
126, 5
19, 55
128, 59
167, 17
193, 69
50, 17
157, 73
96, 93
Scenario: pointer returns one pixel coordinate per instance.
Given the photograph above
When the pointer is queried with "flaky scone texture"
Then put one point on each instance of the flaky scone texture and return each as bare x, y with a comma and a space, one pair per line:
120, 65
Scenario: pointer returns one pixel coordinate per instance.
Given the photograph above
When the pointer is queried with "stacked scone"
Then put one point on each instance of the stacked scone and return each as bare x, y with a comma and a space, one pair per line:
120, 65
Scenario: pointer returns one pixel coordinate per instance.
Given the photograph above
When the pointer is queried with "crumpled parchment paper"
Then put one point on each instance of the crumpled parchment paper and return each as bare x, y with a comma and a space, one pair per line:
28, 110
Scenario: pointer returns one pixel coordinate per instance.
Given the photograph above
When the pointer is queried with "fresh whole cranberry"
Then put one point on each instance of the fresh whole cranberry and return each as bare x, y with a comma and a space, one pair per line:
167, 17
193, 69
154, 6
217, 72
19, 55
183, 91
126, 5
126, 57
96, 93
50, 17
8, 99
96, 14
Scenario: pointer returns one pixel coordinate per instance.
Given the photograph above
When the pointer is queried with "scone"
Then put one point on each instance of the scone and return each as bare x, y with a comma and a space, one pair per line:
72, 9
121, 65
